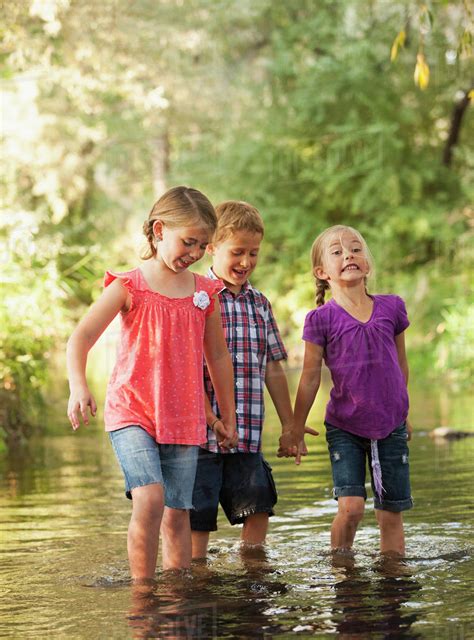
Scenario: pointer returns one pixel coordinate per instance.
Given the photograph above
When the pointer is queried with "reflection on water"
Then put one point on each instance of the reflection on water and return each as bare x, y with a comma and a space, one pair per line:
64, 569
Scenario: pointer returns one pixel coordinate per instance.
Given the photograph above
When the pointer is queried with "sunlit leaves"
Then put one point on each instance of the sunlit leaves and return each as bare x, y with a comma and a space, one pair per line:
398, 43
421, 75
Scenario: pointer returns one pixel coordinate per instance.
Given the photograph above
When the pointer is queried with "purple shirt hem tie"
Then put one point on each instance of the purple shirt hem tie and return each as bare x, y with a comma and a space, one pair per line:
376, 469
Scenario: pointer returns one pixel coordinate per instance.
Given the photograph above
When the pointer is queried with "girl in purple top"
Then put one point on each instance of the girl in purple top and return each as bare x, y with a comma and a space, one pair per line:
361, 339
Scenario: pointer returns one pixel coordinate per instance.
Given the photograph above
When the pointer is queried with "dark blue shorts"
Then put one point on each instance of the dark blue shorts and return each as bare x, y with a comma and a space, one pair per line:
241, 482
349, 454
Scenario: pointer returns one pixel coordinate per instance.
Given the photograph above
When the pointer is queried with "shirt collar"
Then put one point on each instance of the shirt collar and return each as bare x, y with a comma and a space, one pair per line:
246, 288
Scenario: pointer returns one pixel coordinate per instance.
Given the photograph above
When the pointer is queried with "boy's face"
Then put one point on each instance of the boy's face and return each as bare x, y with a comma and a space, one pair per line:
235, 258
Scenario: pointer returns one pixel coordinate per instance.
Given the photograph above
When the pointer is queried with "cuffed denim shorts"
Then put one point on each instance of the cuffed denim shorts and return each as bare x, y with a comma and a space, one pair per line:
349, 454
241, 482
144, 461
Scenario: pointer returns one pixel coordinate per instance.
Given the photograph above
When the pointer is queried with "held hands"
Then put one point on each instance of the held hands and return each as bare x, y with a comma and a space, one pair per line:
292, 444
226, 435
79, 400
409, 429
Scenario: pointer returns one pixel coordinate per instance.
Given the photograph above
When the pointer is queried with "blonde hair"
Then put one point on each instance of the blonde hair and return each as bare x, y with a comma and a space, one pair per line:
236, 215
178, 207
317, 254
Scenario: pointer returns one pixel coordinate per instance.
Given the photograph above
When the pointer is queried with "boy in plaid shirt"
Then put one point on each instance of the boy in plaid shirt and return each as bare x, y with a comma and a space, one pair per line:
240, 478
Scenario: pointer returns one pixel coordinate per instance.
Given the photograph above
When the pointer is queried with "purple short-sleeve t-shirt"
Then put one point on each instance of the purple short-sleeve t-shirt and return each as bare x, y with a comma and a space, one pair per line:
369, 396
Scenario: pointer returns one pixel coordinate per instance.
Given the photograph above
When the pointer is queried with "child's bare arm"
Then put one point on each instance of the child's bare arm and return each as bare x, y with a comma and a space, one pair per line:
84, 336
226, 436
277, 385
293, 443
308, 385
403, 362
220, 367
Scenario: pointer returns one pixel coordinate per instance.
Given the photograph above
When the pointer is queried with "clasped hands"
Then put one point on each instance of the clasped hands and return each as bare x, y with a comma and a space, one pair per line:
292, 444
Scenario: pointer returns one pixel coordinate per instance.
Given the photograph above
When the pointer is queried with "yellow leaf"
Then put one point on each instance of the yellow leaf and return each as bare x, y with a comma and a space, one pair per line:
397, 43
422, 72
470, 95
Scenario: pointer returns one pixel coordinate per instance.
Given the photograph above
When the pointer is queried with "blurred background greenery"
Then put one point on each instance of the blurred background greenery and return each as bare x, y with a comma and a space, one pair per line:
316, 111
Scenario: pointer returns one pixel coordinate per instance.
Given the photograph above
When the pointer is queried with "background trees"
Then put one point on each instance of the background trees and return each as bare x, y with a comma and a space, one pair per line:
296, 107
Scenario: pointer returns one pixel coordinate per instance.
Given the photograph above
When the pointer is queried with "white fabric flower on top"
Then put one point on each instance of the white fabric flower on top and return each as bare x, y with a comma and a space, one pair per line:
201, 300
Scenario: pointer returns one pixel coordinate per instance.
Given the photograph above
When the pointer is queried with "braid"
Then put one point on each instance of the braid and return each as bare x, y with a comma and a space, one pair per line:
321, 287
150, 251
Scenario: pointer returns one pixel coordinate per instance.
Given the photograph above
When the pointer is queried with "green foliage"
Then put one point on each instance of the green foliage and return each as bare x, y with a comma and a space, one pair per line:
294, 106
339, 134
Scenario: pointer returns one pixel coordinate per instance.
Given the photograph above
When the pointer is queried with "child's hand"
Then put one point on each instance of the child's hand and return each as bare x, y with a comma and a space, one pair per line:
79, 400
227, 436
288, 444
409, 430
292, 445
302, 449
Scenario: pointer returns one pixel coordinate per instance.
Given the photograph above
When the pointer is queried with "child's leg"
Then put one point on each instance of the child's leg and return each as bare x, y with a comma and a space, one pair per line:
248, 494
396, 495
348, 459
350, 511
205, 500
392, 536
144, 530
255, 528
139, 457
176, 537
179, 464
200, 542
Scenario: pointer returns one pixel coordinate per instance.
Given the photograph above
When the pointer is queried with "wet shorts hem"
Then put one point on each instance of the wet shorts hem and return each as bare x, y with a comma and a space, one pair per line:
202, 526
396, 506
239, 518
128, 491
349, 491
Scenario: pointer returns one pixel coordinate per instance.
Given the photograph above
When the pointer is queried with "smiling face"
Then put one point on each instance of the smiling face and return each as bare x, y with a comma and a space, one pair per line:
180, 247
344, 260
235, 258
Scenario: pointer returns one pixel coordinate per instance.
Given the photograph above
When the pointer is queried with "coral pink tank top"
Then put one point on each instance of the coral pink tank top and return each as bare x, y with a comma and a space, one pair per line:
157, 382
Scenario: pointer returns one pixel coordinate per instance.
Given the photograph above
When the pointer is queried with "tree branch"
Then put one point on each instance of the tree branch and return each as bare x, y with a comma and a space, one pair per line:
456, 121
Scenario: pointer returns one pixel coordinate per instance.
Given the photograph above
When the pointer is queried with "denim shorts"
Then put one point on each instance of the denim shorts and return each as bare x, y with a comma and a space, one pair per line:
349, 454
144, 461
241, 482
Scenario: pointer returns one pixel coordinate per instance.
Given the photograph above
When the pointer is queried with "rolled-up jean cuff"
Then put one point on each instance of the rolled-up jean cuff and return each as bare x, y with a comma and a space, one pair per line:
393, 505
349, 491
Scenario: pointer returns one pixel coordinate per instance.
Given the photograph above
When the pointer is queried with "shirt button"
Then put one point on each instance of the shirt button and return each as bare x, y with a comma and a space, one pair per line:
237, 383
238, 357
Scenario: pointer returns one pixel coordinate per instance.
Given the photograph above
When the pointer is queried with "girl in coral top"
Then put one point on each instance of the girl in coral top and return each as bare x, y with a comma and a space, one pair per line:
154, 410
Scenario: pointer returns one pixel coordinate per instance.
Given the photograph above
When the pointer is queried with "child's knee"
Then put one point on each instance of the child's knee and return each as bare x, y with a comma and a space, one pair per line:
175, 519
148, 499
351, 509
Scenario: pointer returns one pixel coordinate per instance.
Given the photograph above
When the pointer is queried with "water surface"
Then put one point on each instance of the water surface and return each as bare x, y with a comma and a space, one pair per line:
64, 571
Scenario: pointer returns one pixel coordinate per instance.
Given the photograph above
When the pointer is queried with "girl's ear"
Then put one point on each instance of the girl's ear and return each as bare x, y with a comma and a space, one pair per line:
320, 273
210, 249
158, 229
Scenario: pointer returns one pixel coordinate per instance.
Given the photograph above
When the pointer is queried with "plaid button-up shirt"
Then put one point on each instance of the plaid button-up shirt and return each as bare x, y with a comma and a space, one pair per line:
252, 339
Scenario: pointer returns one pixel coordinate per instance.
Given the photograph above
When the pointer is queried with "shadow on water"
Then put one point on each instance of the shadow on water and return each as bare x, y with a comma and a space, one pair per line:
207, 602
373, 605
210, 603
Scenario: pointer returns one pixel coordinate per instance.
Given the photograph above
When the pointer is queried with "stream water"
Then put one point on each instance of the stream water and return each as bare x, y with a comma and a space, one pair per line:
64, 570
